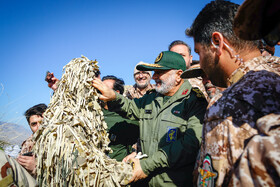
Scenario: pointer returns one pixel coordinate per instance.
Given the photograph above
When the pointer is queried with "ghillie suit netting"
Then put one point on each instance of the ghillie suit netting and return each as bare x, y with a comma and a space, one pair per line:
72, 141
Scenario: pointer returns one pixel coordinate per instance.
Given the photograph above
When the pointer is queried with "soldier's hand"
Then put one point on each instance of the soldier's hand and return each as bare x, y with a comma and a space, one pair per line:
28, 162
52, 82
108, 94
128, 157
138, 173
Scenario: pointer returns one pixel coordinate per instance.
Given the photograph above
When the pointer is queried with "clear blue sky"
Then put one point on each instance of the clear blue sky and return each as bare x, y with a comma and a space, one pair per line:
37, 35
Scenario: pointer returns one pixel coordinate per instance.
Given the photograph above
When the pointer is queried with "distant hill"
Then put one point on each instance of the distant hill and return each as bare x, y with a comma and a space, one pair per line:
13, 134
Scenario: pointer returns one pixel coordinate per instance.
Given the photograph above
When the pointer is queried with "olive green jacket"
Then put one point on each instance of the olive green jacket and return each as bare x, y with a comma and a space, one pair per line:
123, 133
170, 132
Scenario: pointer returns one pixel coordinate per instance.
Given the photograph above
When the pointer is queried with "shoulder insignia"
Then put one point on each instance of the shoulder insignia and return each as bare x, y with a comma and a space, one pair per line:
198, 92
207, 174
151, 91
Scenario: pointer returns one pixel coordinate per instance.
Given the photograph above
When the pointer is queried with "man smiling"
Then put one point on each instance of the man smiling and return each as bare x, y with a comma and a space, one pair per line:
170, 120
142, 83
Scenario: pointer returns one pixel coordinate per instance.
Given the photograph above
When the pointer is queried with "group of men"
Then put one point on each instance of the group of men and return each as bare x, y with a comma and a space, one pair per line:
189, 136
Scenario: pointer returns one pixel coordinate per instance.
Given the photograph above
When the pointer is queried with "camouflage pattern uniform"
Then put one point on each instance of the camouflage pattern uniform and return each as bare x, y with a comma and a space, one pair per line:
27, 145
197, 82
13, 174
259, 164
230, 120
132, 92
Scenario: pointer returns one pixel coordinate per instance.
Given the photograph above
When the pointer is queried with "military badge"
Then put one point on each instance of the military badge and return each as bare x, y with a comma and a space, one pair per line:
171, 134
185, 92
198, 92
159, 57
207, 174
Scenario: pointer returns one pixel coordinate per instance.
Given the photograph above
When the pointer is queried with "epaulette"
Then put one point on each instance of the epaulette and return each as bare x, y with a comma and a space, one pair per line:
151, 91
198, 92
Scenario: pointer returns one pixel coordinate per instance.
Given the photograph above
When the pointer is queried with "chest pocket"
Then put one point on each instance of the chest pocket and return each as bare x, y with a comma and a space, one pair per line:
172, 127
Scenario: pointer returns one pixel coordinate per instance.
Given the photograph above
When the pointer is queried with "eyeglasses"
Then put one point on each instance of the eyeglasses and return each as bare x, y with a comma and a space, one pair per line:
141, 73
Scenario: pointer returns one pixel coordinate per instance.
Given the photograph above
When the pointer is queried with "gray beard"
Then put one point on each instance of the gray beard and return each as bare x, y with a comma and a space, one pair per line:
166, 86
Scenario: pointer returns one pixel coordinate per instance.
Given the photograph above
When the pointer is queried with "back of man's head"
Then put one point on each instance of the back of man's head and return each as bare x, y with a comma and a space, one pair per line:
35, 110
218, 16
118, 84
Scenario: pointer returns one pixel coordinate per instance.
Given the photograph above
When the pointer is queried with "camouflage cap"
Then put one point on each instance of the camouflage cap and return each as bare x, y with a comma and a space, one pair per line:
256, 19
166, 60
192, 72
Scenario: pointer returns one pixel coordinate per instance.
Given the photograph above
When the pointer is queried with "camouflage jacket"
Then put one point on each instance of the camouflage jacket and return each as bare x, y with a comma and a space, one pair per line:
259, 165
27, 145
197, 82
230, 120
132, 92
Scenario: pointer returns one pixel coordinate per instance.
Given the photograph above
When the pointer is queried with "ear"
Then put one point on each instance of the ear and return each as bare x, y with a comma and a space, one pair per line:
218, 42
117, 91
178, 73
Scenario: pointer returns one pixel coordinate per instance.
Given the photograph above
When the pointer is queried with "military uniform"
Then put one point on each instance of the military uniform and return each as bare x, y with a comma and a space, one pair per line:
260, 162
27, 145
230, 121
13, 174
132, 92
170, 132
197, 82
123, 133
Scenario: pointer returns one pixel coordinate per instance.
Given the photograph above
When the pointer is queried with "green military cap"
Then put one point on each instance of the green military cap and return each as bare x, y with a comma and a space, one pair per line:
192, 72
166, 60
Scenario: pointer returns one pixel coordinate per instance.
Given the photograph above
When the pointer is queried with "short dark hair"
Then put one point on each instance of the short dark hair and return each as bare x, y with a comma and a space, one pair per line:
35, 110
179, 42
118, 85
218, 16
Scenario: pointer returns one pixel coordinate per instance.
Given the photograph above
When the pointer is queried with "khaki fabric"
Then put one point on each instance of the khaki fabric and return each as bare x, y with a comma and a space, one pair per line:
13, 174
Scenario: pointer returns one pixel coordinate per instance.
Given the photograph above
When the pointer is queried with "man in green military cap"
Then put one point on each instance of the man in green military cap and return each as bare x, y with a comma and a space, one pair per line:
170, 121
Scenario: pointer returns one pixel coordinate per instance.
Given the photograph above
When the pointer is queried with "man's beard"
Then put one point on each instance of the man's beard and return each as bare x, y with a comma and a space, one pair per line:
213, 71
143, 85
166, 85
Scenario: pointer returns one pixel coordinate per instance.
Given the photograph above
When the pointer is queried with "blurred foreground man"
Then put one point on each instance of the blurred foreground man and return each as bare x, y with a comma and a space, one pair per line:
237, 115
170, 122
142, 84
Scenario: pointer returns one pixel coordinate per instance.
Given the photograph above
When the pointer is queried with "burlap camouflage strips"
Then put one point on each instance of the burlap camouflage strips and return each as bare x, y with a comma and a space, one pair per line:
259, 165
230, 120
72, 142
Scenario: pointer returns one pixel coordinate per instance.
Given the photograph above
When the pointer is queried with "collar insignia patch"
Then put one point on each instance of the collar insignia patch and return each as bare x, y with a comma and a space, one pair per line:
185, 92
